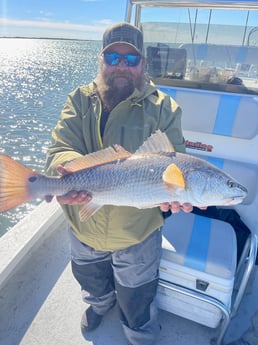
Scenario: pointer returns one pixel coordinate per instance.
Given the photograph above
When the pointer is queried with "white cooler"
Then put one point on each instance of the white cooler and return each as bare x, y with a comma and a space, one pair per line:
199, 254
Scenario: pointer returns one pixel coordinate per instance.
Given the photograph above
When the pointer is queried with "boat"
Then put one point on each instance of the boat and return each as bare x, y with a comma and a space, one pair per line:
211, 69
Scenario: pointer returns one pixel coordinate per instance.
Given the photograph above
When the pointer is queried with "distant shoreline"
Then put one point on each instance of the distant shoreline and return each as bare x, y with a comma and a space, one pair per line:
47, 38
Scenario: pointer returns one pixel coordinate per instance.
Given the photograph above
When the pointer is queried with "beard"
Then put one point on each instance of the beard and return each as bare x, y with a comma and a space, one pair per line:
117, 86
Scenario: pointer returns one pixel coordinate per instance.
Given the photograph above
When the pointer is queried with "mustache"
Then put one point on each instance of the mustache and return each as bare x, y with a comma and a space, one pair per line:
118, 74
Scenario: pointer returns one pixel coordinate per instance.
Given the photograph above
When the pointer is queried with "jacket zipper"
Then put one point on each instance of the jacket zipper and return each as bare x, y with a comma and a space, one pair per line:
98, 126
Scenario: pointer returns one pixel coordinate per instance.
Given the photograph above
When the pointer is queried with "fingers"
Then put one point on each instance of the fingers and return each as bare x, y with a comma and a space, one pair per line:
74, 198
187, 207
165, 206
176, 207
61, 170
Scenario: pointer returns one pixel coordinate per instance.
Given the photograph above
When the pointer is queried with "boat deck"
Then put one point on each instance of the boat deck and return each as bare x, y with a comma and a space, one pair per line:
40, 302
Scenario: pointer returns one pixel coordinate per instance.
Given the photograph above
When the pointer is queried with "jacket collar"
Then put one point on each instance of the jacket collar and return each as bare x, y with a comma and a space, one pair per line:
136, 96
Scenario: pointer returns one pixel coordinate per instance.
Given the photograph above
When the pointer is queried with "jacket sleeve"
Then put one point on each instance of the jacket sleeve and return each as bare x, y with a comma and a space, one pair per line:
67, 136
170, 122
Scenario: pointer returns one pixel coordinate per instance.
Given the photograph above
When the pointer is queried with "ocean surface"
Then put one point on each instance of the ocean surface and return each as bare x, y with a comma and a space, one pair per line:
36, 76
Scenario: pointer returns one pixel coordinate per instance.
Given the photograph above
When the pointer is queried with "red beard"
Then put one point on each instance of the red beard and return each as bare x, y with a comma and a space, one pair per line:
112, 90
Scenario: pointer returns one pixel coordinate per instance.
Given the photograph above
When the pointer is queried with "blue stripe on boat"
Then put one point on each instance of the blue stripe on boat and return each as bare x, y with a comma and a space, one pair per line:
198, 247
226, 114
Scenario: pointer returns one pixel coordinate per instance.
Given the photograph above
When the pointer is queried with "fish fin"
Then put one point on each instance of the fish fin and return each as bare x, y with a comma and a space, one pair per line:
158, 142
87, 210
107, 155
173, 176
14, 189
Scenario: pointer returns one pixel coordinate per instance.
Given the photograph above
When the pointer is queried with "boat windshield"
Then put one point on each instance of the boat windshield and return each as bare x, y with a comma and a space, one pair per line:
214, 49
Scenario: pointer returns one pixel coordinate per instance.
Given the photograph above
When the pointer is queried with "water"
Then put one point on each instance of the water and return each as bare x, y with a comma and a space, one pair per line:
35, 77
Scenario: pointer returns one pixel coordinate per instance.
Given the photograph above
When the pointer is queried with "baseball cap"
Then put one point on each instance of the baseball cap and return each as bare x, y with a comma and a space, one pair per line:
123, 33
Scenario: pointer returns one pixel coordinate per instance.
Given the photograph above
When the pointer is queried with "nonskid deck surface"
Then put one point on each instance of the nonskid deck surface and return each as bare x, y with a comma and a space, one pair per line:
41, 304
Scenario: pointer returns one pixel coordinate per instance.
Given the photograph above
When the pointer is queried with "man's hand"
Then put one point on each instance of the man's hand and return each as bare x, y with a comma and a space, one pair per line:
176, 207
73, 197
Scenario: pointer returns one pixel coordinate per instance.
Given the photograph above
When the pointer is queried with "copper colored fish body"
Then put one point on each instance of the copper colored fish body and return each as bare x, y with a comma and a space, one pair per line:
114, 176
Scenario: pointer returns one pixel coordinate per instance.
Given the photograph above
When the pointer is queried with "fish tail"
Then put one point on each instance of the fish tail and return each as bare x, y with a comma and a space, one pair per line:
14, 188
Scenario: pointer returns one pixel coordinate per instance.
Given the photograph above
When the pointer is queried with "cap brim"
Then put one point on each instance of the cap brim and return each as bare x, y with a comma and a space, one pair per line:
128, 44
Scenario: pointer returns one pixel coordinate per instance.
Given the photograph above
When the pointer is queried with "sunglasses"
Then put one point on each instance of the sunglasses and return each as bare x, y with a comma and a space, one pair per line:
113, 59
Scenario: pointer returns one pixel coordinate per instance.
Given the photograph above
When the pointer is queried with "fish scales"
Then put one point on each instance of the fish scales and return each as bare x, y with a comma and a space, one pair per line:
138, 179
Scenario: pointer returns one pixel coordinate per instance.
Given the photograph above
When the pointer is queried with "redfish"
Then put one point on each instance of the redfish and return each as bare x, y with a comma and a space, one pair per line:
154, 174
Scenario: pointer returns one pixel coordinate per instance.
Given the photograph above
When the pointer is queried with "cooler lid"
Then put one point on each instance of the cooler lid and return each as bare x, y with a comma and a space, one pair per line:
200, 243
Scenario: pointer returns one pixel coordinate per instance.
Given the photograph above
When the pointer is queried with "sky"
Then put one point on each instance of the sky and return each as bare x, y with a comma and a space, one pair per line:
87, 19
82, 19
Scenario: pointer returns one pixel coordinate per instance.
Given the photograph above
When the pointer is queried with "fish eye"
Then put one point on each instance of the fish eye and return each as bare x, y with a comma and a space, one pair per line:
231, 184
32, 178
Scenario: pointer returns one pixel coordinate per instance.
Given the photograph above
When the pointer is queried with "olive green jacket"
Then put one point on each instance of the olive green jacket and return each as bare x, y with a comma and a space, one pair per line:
129, 124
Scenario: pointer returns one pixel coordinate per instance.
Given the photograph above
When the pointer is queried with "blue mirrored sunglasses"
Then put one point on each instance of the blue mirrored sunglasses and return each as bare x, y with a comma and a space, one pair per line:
113, 59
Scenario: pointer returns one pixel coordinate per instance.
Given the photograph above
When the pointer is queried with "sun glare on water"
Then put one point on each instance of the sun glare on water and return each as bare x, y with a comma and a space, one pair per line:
15, 49
36, 77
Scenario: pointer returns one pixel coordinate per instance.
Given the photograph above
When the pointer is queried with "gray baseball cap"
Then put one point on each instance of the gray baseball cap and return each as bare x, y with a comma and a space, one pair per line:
123, 33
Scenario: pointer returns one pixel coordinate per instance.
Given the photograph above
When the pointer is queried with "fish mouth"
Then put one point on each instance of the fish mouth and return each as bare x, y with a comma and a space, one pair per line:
243, 189
235, 200
242, 194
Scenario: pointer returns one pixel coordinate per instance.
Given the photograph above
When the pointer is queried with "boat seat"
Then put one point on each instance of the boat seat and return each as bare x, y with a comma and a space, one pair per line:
223, 129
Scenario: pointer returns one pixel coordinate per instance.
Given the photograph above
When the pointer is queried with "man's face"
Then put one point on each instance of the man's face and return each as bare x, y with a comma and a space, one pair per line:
121, 75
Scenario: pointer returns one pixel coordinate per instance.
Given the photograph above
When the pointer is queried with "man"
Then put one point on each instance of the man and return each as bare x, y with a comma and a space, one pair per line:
116, 253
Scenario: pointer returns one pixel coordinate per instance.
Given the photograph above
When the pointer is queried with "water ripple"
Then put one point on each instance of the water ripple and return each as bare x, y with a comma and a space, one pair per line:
35, 77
